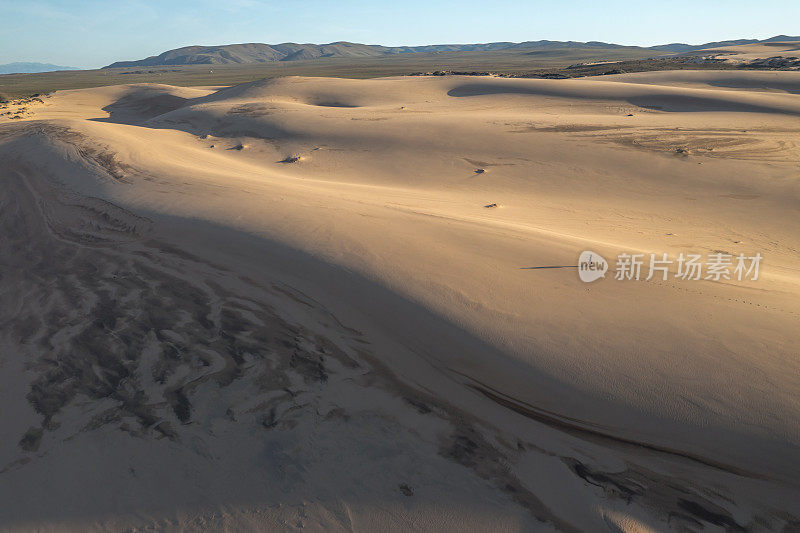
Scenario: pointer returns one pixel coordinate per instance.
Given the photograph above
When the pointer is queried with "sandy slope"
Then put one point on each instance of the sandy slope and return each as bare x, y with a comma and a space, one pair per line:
749, 52
333, 235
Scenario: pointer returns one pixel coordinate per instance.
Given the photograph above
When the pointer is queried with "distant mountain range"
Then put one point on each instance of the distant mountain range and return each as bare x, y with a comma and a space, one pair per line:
29, 68
266, 53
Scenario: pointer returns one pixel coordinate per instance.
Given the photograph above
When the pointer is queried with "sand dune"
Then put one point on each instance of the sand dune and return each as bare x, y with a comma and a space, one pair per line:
286, 303
754, 51
788, 82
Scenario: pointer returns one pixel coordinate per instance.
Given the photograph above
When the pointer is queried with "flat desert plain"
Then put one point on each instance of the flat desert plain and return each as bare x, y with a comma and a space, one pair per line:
341, 304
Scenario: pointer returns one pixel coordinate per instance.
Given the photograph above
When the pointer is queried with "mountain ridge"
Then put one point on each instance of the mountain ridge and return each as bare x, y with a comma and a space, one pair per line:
267, 53
23, 67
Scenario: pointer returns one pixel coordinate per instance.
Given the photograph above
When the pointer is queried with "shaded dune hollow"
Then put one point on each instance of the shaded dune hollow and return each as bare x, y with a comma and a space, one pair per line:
354, 305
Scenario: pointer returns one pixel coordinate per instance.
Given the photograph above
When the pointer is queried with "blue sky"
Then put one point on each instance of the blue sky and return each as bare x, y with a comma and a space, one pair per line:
93, 33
